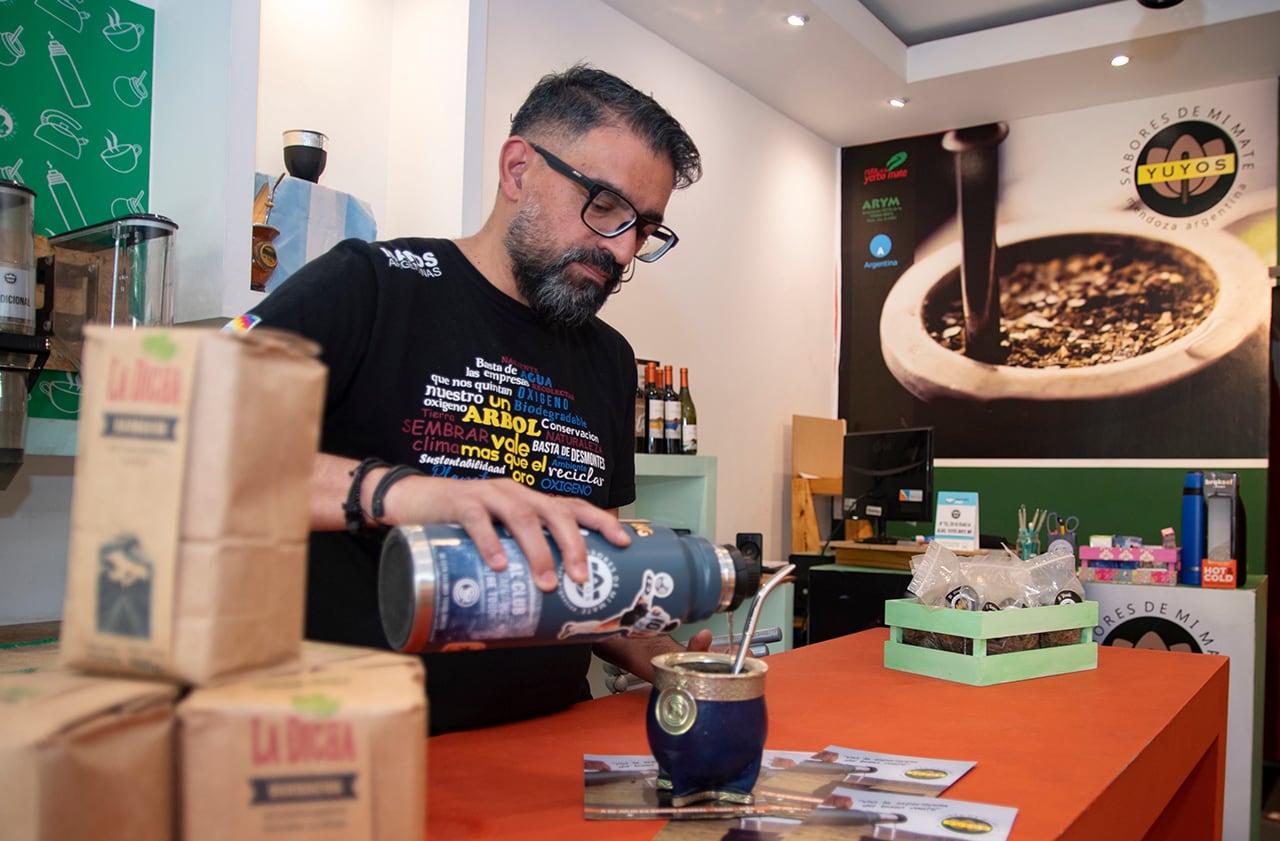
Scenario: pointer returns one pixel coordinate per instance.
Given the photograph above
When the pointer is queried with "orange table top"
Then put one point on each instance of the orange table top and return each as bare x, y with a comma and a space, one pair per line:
1088, 755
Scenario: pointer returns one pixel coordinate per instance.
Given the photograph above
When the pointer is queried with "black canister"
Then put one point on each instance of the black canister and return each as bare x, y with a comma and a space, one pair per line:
435, 592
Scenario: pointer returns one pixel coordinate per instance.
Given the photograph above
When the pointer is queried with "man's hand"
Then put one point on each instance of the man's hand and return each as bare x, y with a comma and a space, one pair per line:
476, 505
636, 654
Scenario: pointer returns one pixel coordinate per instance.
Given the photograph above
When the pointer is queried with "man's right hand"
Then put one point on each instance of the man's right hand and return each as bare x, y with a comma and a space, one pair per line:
529, 517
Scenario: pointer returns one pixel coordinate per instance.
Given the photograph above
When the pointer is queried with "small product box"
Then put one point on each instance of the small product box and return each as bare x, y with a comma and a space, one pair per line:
190, 506
1153, 555
335, 751
988, 647
85, 757
1129, 564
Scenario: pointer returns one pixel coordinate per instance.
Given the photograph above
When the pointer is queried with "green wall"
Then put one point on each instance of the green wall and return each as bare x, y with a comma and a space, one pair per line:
75, 113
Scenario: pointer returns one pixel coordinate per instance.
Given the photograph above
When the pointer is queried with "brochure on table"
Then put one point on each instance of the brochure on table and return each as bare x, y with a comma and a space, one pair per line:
835, 793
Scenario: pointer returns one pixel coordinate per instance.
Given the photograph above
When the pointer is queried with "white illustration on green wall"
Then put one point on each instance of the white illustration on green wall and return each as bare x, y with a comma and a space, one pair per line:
75, 107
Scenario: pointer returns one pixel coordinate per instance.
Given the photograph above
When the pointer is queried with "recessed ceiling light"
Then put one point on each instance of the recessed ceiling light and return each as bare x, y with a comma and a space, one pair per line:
797, 20
898, 102
1120, 61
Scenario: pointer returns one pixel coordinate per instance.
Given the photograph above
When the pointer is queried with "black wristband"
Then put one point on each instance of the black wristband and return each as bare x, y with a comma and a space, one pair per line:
388, 479
351, 509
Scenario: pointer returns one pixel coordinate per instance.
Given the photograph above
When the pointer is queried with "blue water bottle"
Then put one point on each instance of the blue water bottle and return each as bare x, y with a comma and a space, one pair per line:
1192, 528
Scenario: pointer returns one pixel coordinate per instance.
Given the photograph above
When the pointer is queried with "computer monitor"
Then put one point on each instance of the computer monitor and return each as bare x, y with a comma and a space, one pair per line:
888, 476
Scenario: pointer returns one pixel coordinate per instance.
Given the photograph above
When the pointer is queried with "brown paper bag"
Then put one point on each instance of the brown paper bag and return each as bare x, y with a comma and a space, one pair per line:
85, 757
337, 753
190, 503
29, 656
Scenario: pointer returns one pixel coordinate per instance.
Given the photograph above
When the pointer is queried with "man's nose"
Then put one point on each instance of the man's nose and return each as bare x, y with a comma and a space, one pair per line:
622, 247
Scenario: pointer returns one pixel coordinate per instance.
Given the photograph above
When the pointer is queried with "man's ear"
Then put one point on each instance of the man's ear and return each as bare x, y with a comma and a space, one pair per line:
513, 163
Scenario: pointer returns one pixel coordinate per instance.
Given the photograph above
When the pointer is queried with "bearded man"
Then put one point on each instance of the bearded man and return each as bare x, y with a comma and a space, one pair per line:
442, 351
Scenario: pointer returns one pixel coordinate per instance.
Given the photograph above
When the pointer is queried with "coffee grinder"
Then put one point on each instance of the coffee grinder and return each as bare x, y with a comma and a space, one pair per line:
118, 273
23, 352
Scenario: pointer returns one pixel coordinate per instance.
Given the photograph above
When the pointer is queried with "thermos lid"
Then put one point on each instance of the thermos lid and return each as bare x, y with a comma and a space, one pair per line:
746, 579
1195, 479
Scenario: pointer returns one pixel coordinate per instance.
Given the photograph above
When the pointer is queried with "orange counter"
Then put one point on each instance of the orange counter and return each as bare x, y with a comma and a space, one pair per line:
1132, 750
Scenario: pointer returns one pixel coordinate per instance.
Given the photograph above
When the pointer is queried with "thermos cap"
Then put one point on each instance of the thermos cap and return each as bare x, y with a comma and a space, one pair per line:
746, 578
1195, 479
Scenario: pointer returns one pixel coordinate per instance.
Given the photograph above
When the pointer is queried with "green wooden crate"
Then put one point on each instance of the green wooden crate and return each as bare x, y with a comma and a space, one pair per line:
976, 630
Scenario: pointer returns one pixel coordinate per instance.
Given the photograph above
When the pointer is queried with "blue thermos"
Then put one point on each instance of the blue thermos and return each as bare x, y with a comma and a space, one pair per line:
435, 592
1192, 528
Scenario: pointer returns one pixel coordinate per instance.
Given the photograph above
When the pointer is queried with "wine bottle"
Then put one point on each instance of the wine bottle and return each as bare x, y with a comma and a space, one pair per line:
655, 442
688, 417
642, 410
671, 413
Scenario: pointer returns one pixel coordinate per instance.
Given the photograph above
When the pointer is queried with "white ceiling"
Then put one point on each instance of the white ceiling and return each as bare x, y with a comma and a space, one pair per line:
962, 62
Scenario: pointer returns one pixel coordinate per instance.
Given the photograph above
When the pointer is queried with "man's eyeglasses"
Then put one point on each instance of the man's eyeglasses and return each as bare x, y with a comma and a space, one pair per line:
610, 214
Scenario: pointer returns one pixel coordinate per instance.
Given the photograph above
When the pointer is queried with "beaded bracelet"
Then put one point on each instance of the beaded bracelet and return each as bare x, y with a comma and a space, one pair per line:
388, 479
351, 509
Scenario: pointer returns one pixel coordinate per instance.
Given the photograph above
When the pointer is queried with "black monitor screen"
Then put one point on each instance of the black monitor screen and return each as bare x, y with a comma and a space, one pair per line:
888, 476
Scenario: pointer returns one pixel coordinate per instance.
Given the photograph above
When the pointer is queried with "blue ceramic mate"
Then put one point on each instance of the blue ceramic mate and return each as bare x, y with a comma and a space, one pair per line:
707, 726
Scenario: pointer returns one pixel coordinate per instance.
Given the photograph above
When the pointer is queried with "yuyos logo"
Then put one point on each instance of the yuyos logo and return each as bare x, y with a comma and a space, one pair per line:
1186, 168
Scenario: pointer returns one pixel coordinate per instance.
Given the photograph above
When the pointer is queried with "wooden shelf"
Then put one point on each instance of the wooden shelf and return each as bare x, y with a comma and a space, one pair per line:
805, 534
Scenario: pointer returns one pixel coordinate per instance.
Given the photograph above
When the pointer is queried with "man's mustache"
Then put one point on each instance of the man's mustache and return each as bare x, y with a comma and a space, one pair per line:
596, 258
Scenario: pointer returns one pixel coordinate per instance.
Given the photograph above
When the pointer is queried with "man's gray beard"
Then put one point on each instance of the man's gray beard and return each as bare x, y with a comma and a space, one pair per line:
555, 297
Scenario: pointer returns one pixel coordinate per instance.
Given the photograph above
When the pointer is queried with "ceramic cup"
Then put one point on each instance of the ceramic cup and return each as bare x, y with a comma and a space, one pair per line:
707, 726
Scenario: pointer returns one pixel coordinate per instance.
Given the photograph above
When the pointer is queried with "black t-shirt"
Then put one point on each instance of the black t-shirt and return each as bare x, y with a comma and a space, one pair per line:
431, 365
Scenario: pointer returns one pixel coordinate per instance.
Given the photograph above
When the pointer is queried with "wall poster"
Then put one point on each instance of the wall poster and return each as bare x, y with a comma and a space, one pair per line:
1128, 312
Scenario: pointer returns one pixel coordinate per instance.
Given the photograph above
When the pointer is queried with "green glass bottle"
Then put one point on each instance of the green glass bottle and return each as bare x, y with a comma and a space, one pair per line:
688, 417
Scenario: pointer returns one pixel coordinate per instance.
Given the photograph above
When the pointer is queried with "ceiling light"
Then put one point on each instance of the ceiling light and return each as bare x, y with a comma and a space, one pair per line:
797, 20
1120, 61
898, 102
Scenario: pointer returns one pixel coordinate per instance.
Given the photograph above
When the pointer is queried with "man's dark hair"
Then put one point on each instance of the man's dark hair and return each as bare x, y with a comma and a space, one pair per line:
583, 98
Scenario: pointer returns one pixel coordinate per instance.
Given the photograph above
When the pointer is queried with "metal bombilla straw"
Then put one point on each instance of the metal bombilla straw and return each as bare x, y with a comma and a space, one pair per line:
753, 616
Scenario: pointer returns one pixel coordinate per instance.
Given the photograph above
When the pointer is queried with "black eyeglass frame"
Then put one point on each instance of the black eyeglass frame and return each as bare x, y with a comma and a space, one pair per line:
660, 232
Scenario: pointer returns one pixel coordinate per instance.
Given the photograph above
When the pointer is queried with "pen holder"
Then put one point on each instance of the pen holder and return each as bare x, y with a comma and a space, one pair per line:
707, 726
1062, 540
1028, 544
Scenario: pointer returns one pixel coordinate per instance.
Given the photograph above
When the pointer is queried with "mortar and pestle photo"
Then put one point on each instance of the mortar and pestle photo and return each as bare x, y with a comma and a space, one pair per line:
1075, 313
1209, 284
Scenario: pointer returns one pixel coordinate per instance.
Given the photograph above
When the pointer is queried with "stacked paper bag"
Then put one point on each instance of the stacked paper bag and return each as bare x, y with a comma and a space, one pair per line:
186, 583
85, 757
189, 509
333, 752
